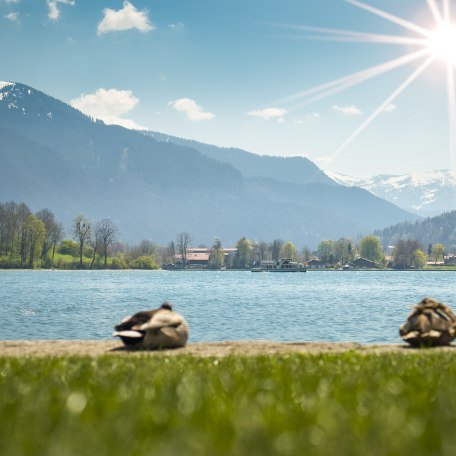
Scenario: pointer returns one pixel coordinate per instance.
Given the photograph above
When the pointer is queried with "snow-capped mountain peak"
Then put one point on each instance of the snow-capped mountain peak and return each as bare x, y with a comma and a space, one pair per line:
427, 193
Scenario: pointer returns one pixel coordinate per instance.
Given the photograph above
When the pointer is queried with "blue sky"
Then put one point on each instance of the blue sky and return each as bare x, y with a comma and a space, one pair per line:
218, 71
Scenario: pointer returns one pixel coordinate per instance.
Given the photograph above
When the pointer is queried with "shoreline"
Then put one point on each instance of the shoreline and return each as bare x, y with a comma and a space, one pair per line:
95, 348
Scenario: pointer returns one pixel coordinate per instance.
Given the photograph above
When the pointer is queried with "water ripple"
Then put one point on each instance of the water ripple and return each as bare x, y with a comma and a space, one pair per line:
317, 306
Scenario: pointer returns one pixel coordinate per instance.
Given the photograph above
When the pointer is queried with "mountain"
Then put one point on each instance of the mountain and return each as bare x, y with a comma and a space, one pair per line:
429, 231
296, 170
52, 155
425, 194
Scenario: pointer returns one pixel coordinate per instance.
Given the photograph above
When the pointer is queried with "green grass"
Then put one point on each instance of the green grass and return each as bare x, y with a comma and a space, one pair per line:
347, 404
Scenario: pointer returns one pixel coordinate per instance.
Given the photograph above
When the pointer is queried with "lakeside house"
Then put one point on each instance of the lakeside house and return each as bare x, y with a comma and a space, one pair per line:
316, 263
198, 257
362, 263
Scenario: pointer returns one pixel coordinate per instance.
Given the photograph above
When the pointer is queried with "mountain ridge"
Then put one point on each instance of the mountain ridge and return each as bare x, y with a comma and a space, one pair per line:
153, 189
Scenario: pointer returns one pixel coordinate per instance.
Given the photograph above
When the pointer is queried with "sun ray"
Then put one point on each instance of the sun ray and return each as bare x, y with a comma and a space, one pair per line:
382, 107
451, 115
446, 10
390, 17
435, 11
339, 84
348, 35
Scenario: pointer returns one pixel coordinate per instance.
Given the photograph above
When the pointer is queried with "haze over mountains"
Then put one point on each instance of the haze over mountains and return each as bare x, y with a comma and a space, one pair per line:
426, 194
52, 155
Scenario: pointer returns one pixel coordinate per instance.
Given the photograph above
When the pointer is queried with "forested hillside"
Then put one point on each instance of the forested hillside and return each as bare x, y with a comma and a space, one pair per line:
440, 229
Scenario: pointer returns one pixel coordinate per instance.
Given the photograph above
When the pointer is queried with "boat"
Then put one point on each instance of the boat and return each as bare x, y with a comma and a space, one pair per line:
282, 265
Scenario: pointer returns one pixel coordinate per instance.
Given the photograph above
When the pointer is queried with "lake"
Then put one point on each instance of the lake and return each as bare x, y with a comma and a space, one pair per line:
334, 306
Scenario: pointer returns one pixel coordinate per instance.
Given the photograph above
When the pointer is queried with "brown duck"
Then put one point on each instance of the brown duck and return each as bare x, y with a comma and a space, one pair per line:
431, 323
153, 329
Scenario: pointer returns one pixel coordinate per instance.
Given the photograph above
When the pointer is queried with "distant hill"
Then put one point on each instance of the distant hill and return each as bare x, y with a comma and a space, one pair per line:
52, 155
429, 231
296, 170
426, 194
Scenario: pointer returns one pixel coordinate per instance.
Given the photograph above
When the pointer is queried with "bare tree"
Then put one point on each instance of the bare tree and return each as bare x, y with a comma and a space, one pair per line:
107, 232
56, 236
82, 229
182, 242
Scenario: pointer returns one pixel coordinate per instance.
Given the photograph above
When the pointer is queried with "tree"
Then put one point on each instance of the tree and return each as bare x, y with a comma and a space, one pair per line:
35, 235
403, 253
106, 231
56, 236
438, 250
82, 229
371, 249
342, 250
169, 253
51, 226
306, 254
276, 247
262, 249
419, 259
288, 250
217, 255
325, 250
22, 214
244, 253
182, 242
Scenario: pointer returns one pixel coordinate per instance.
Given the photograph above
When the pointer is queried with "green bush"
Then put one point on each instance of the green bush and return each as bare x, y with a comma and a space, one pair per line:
144, 262
68, 247
118, 262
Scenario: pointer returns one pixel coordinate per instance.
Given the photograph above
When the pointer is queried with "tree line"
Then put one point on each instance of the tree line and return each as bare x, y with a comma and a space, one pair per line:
34, 240
406, 253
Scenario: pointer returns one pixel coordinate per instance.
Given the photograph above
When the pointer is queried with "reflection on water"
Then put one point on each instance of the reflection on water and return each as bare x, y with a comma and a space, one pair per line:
316, 306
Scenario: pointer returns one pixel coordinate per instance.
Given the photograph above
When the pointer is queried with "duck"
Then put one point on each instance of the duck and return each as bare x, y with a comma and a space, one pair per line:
153, 329
431, 323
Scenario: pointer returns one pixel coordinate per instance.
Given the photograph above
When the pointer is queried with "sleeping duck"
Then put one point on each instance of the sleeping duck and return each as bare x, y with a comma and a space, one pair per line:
153, 329
431, 323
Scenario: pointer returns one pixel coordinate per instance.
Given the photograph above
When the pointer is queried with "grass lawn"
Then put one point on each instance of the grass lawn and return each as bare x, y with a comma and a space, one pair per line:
348, 404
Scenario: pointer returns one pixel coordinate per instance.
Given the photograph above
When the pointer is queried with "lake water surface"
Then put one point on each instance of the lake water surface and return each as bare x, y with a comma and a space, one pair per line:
317, 306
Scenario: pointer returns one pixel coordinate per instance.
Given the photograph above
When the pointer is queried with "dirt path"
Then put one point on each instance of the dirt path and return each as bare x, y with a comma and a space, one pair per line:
218, 349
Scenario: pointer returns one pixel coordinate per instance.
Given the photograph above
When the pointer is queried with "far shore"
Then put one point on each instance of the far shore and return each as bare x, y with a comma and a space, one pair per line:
95, 348
431, 269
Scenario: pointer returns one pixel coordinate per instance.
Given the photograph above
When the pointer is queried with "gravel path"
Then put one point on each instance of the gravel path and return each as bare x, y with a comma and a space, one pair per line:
218, 349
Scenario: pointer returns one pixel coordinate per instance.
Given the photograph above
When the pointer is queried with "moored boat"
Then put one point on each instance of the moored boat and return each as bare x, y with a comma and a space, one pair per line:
282, 265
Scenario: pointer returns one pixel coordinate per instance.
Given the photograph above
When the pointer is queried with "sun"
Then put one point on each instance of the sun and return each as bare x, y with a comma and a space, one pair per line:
442, 43
429, 45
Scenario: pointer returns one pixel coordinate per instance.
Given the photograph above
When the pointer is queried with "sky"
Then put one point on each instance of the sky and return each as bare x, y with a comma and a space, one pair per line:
222, 72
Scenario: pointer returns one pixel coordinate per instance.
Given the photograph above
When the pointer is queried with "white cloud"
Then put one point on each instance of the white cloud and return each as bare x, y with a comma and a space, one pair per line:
109, 105
176, 25
191, 108
268, 113
13, 16
11, 2
127, 18
54, 10
351, 110
390, 108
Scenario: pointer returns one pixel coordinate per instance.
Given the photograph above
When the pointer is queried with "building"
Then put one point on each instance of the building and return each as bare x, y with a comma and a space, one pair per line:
198, 257
315, 263
362, 263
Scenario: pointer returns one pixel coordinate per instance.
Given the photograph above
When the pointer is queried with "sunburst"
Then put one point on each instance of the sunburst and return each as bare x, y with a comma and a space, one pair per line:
433, 44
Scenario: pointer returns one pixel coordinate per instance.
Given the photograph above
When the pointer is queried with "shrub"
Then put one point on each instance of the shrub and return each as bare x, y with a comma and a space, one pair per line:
144, 262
